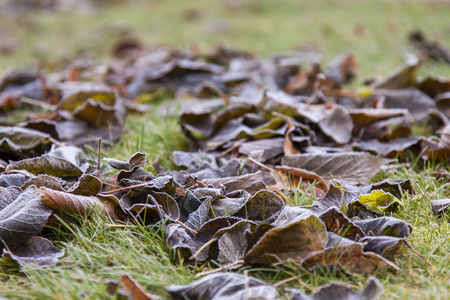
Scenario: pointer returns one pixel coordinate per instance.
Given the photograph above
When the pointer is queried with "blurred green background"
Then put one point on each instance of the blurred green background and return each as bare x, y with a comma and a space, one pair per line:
376, 31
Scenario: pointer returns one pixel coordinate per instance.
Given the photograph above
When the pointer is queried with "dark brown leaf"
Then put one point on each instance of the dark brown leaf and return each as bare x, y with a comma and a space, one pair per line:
294, 236
338, 223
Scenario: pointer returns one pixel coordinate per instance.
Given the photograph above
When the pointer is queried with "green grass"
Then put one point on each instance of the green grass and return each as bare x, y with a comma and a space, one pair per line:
96, 252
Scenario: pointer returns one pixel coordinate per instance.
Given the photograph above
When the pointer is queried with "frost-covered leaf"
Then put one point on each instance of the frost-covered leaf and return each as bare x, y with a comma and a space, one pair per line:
46, 164
87, 185
386, 246
339, 291
251, 183
38, 251
337, 125
350, 168
137, 160
263, 206
23, 142
43, 180
233, 243
387, 226
8, 195
337, 222
377, 201
224, 286
440, 206
349, 255
22, 219
296, 234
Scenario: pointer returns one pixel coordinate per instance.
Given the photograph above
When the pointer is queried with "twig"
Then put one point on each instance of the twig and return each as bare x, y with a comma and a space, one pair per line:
261, 165
120, 226
99, 151
187, 227
204, 247
246, 285
56, 142
287, 280
38, 103
419, 254
238, 262
125, 188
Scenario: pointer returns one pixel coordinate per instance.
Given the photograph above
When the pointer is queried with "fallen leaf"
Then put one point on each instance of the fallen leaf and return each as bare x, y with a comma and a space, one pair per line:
134, 290
74, 204
46, 164
364, 116
291, 177
37, 251
346, 167
43, 180
349, 255
338, 223
221, 286
385, 246
402, 147
264, 206
440, 206
387, 226
417, 103
401, 78
76, 93
22, 219
23, 142
339, 291
8, 195
337, 124
251, 183
137, 160
295, 235
233, 243
7, 180
377, 201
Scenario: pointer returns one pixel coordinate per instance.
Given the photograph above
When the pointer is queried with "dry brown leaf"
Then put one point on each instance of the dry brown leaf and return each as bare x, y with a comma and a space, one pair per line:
134, 289
74, 204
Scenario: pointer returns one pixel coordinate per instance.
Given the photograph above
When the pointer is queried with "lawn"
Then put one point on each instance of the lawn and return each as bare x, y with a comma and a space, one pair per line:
97, 251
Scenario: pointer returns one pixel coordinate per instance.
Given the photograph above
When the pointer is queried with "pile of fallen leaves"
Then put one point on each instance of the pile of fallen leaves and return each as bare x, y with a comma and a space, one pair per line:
259, 130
